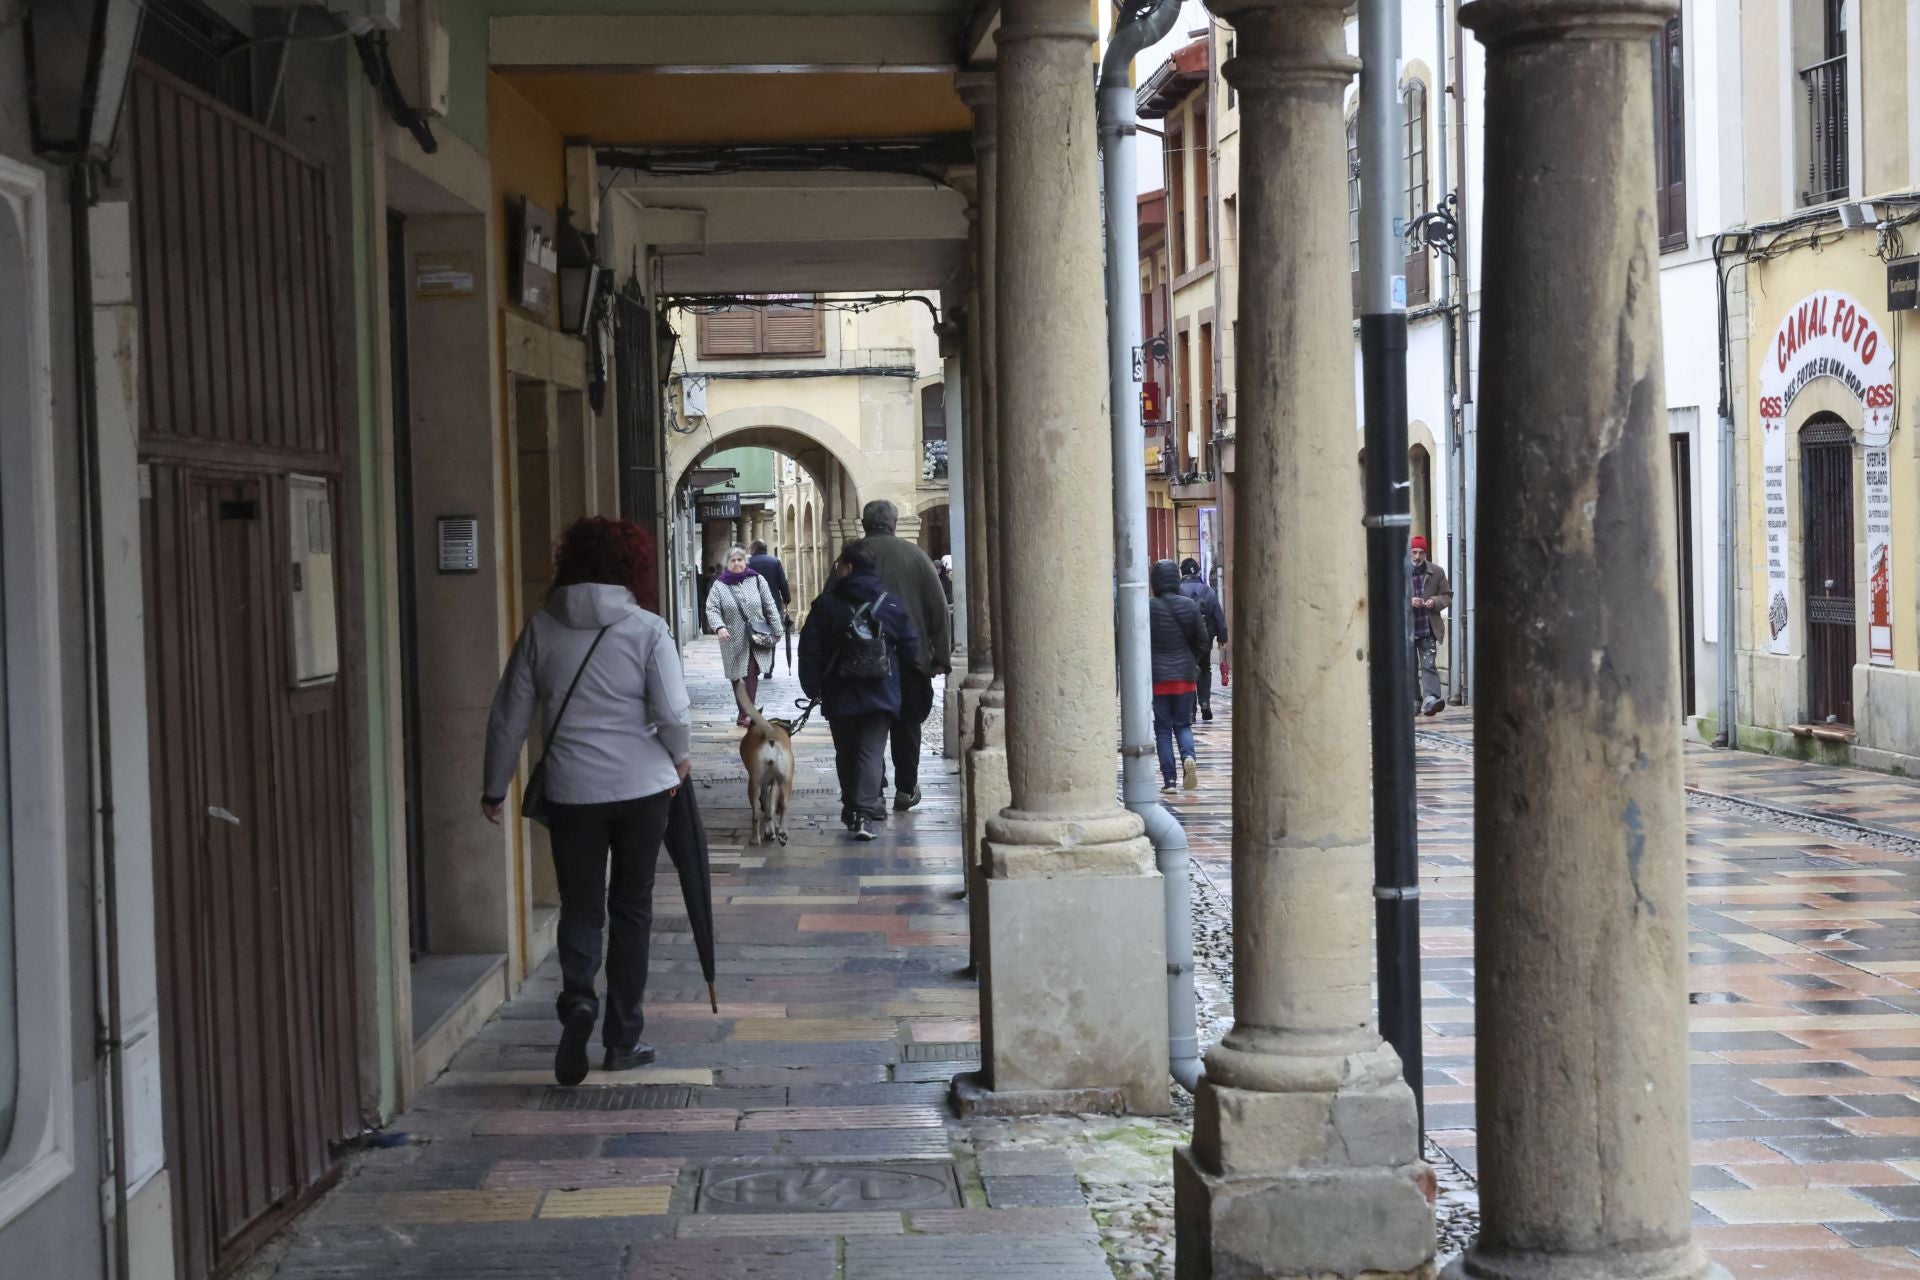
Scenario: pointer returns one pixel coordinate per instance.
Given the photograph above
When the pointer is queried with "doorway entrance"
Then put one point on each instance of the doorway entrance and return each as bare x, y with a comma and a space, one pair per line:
253, 855
1826, 518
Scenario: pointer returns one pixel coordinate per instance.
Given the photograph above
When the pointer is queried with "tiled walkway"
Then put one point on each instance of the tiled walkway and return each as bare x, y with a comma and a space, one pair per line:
1805, 1024
800, 1135
802, 1132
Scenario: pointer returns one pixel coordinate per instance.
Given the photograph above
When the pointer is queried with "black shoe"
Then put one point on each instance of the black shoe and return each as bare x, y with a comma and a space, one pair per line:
866, 829
850, 822
570, 1059
905, 800
1169, 785
1206, 713
627, 1059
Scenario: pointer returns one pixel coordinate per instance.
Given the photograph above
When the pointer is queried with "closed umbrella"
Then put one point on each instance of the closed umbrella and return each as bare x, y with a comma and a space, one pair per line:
788, 623
687, 845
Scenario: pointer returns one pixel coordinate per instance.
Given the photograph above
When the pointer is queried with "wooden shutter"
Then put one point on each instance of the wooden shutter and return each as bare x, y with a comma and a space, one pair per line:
733, 331
793, 331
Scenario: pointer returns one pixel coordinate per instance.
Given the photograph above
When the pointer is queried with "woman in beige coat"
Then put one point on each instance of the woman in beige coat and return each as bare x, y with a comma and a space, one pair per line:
739, 598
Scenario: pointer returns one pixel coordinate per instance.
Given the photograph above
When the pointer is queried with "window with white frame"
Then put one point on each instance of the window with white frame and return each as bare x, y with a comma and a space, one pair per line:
36, 1118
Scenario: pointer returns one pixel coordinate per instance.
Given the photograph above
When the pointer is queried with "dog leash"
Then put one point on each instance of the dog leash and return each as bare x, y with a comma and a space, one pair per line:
806, 713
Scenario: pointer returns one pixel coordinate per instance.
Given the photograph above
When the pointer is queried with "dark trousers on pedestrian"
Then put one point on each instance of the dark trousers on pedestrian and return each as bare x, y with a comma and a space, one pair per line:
752, 683
860, 755
1172, 718
1206, 687
916, 704
587, 839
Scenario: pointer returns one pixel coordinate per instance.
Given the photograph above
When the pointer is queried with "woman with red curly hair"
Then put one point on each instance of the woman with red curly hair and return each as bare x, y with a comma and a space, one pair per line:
617, 729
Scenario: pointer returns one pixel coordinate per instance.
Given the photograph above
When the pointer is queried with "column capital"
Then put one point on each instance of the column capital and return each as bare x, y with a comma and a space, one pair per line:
1286, 41
1498, 22
977, 88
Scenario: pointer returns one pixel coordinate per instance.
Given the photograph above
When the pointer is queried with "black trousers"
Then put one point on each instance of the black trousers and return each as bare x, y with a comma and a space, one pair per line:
916, 704
860, 755
584, 835
1206, 685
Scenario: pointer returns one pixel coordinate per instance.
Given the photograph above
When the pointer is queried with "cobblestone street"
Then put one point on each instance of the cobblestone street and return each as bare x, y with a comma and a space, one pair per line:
804, 1133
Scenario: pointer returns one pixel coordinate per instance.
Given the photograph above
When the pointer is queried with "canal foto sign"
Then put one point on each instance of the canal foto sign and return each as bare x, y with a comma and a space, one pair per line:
1829, 335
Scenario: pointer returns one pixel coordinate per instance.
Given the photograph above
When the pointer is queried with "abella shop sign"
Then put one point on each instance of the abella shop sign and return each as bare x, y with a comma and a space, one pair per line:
1830, 335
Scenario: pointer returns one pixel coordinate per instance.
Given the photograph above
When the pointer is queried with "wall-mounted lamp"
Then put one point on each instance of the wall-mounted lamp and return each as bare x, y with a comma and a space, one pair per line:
581, 276
79, 55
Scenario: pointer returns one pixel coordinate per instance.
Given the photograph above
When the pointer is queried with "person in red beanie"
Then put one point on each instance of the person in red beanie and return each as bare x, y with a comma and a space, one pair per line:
1430, 595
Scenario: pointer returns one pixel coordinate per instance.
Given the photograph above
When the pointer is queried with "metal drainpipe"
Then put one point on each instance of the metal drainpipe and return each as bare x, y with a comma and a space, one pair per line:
1455, 448
1143, 23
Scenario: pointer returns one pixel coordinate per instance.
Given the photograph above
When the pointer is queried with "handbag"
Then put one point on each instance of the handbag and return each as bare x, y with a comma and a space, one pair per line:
534, 805
761, 634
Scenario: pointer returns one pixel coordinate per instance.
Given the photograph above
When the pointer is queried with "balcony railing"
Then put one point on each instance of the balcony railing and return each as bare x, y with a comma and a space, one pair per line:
1826, 86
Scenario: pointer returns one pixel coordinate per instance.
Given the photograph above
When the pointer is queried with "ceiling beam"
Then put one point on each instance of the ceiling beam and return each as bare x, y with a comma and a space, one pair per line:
720, 42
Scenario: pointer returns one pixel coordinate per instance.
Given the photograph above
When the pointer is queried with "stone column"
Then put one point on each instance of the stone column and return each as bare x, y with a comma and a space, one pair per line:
983, 789
1581, 913
1073, 996
1306, 1147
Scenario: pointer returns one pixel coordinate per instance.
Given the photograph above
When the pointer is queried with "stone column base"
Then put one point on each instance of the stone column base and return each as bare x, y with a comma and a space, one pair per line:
1303, 1224
963, 703
984, 792
1074, 996
1685, 1263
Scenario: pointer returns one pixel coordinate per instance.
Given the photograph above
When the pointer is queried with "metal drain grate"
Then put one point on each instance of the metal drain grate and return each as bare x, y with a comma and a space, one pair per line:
954, 1051
617, 1097
829, 1188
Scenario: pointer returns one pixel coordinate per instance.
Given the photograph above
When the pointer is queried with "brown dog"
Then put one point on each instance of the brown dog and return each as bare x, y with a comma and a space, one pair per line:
767, 752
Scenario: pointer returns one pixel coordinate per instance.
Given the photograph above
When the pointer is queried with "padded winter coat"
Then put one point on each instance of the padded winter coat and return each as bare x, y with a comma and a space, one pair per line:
823, 633
1182, 642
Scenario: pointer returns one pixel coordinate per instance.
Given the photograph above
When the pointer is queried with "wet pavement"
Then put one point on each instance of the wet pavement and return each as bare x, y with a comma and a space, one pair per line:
803, 1133
1804, 978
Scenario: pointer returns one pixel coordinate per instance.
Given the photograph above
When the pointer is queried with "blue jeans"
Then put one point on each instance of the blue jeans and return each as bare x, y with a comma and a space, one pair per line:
1173, 717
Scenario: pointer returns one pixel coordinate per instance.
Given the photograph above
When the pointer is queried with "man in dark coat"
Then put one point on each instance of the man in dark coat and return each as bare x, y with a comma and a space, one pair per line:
1429, 595
909, 574
1181, 641
770, 568
1195, 588
860, 712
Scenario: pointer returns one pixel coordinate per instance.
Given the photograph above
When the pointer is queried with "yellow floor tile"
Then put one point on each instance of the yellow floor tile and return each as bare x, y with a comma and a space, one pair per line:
1790, 1204
607, 1202
806, 1030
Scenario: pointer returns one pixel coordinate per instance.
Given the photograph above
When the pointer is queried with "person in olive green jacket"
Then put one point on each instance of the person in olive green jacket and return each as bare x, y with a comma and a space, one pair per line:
907, 572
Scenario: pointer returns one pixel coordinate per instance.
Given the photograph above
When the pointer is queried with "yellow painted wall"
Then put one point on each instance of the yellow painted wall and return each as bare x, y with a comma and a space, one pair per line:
1774, 289
634, 109
528, 154
1883, 97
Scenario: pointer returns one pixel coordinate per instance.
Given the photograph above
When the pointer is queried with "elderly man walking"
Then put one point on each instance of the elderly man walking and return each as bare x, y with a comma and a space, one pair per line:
908, 573
1430, 595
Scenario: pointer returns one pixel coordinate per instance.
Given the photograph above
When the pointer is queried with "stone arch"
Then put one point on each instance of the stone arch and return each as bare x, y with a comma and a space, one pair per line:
811, 441
1421, 452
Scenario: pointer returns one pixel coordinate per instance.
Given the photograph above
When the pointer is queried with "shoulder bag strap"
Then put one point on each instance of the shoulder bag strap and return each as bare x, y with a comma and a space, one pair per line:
554, 729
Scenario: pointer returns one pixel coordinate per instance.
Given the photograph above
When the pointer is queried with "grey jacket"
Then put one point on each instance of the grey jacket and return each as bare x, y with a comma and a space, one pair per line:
630, 722
908, 573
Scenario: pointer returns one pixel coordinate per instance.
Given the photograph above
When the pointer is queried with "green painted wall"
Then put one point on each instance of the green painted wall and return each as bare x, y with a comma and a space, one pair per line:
754, 465
369, 294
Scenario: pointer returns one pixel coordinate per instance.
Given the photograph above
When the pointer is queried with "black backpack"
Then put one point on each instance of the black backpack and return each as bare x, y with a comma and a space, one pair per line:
864, 652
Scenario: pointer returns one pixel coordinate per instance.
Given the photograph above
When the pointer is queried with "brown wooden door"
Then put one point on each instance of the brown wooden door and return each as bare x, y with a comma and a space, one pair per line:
1826, 513
253, 851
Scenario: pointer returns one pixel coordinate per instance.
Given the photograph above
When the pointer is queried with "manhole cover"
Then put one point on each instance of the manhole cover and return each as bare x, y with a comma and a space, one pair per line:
829, 1188
617, 1097
954, 1051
